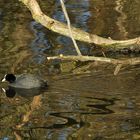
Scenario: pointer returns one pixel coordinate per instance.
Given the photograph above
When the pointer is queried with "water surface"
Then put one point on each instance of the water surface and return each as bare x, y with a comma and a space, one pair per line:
83, 101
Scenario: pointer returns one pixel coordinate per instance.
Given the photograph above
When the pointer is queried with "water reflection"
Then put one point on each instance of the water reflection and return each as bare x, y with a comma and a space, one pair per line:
41, 43
103, 107
93, 106
1, 20
73, 107
79, 15
26, 93
68, 122
130, 125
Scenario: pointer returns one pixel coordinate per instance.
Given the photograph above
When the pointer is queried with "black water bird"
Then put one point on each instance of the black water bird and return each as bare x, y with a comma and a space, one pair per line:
25, 81
26, 85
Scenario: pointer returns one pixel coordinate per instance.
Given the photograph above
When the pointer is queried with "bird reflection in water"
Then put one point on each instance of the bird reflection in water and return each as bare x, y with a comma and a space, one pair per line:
11, 92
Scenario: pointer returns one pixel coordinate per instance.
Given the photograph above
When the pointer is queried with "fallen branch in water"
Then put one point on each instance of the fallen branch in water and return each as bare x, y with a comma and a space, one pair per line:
84, 58
118, 62
78, 34
131, 61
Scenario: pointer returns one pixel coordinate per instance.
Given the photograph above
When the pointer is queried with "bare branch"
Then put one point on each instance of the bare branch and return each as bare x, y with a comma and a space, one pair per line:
78, 34
130, 61
118, 62
83, 58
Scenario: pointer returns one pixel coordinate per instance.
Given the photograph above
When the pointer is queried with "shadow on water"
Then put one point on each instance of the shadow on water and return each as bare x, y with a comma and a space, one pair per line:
71, 121
102, 107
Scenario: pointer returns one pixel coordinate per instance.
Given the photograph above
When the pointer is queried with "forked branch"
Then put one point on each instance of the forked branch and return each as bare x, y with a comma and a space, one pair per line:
78, 34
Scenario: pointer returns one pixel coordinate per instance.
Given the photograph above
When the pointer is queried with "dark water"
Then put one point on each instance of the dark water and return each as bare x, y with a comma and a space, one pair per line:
83, 101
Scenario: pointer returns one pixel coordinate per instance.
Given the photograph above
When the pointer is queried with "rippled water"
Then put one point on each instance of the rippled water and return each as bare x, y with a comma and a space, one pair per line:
88, 106
81, 103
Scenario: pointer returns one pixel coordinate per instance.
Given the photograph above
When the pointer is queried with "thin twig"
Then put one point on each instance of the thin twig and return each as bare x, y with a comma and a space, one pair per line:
69, 27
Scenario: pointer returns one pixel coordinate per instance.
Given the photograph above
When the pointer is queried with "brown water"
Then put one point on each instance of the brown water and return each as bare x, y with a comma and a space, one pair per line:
83, 101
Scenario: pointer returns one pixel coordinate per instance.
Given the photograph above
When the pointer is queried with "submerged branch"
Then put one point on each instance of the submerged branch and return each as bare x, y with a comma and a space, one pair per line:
84, 58
130, 61
118, 62
78, 34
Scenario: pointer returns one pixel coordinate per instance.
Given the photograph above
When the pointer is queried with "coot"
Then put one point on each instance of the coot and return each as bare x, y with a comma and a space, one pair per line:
25, 81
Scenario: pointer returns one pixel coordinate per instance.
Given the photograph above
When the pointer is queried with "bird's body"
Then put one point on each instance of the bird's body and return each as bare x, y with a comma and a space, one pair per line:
25, 81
